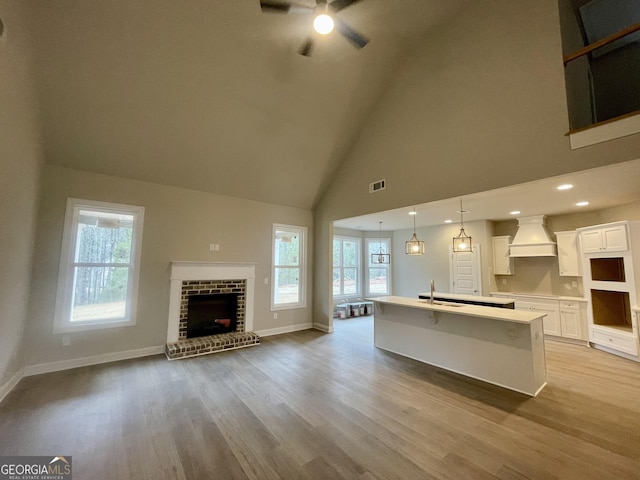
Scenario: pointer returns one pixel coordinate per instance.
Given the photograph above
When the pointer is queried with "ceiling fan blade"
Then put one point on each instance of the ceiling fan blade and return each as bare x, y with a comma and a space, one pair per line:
306, 47
269, 6
338, 5
350, 34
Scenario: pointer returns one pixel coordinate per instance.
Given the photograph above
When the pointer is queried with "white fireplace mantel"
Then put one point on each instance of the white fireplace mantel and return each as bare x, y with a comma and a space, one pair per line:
185, 271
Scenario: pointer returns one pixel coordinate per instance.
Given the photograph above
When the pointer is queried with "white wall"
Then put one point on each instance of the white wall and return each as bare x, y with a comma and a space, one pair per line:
179, 225
20, 163
479, 104
413, 274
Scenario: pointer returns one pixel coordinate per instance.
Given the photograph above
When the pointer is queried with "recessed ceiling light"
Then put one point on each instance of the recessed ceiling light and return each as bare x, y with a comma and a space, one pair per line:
566, 186
582, 204
412, 212
515, 212
448, 220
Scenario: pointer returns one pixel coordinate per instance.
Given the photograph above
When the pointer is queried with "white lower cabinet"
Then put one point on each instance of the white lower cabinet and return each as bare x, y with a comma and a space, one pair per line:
564, 318
620, 341
573, 320
550, 323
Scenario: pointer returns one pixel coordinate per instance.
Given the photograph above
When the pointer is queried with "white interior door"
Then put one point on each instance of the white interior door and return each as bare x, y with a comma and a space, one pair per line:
466, 272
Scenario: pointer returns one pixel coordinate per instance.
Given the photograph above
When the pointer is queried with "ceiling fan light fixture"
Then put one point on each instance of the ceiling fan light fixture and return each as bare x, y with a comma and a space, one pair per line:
323, 24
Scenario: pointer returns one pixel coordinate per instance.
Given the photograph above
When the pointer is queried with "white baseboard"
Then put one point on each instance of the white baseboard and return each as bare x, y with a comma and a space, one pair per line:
95, 360
287, 329
10, 384
323, 328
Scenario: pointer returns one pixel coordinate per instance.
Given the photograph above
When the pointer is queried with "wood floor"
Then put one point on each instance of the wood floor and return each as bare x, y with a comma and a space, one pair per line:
310, 405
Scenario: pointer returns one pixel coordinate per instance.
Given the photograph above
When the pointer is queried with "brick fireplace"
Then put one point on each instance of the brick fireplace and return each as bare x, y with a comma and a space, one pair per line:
206, 280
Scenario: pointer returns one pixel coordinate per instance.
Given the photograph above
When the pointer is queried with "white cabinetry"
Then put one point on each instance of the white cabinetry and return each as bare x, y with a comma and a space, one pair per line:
551, 308
566, 318
573, 320
605, 238
502, 263
611, 279
569, 260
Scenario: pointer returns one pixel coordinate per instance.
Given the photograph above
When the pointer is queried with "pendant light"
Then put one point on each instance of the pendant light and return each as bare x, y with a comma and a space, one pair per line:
377, 258
414, 246
463, 242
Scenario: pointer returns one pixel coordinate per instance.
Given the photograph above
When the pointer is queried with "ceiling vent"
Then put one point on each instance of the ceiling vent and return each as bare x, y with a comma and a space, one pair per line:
377, 185
532, 239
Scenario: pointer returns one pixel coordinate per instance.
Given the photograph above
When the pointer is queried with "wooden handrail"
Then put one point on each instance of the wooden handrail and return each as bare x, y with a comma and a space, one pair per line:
601, 43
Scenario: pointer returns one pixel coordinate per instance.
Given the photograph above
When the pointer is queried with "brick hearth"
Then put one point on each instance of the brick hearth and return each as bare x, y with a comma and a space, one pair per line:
195, 278
192, 347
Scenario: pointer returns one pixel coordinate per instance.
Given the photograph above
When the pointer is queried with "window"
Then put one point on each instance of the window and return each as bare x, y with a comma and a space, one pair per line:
288, 274
99, 265
378, 275
346, 266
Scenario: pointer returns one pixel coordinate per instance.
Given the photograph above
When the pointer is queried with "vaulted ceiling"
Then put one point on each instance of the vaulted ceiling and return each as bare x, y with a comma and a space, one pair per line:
211, 94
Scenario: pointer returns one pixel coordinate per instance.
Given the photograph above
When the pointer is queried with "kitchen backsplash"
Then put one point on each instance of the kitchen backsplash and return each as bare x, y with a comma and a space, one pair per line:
539, 275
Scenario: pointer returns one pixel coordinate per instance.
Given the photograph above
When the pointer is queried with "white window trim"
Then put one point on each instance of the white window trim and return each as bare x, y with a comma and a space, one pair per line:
302, 233
64, 297
371, 265
358, 267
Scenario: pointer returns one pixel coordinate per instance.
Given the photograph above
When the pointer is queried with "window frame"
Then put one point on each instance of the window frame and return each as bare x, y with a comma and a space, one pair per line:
302, 265
386, 266
65, 288
358, 267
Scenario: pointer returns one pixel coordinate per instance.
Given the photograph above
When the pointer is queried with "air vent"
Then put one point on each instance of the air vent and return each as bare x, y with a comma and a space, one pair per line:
377, 185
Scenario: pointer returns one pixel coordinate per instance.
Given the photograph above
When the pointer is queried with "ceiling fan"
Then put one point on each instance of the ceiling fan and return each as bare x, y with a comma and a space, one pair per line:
324, 19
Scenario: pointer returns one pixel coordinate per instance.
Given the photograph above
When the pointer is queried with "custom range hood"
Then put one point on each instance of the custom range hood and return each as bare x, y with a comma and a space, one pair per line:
532, 239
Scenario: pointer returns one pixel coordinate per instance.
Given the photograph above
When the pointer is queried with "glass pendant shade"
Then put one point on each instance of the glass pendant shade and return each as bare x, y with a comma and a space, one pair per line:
323, 24
463, 242
414, 246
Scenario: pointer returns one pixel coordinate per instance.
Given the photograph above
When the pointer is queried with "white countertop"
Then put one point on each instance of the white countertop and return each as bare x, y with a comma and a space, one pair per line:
539, 295
472, 298
495, 313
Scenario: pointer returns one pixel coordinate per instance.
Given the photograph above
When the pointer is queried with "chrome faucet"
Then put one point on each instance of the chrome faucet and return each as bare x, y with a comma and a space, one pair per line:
433, 289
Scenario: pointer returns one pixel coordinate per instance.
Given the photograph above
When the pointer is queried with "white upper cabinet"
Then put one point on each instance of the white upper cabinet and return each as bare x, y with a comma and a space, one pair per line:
502, 263
569, 260
605, 238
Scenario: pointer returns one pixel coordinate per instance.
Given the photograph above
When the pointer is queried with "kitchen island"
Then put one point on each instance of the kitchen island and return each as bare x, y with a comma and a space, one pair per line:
500, 346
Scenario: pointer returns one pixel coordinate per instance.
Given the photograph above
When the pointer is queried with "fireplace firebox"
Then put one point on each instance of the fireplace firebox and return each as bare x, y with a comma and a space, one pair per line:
212, 314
